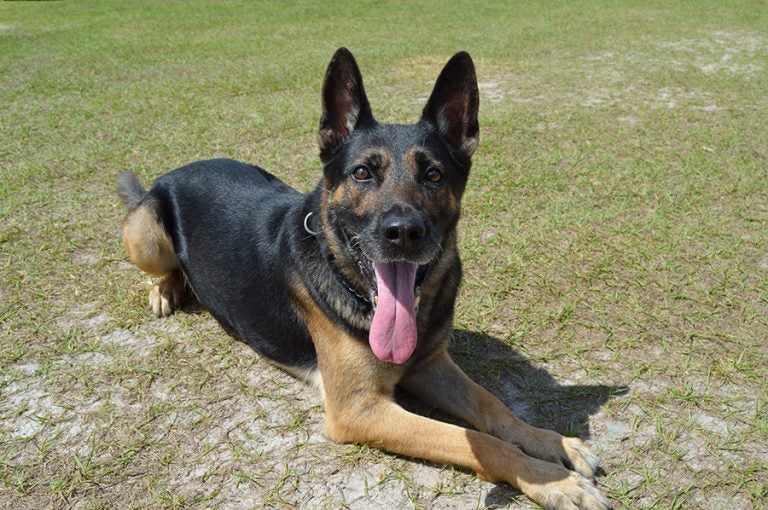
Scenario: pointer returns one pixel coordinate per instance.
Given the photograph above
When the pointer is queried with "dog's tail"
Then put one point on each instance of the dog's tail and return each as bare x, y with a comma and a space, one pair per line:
130, 190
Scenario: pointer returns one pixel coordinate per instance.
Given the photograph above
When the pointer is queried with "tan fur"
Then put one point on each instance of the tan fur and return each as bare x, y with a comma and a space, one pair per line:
148, 245
335, 246
418, 158
355, 371
151, 250
445, 386
165, 296
379, 161
375, 158
359, 409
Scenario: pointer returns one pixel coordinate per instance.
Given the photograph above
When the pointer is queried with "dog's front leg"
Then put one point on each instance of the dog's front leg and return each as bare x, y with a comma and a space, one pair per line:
442, 384
358, 391
377, 421
359, 409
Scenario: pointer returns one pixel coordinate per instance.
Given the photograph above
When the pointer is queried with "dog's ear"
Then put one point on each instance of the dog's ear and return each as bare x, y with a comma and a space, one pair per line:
454, 104
345, 106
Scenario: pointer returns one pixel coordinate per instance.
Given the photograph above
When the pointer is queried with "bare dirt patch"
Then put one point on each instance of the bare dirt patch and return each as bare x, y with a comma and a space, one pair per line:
615, 78
213, 425
224, 429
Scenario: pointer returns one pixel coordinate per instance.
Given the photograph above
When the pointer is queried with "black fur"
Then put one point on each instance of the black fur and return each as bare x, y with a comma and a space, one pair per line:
235, 228
130, 190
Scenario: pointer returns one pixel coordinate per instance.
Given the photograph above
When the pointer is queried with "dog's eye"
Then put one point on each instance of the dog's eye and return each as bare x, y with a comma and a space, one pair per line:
433, 175
361, 173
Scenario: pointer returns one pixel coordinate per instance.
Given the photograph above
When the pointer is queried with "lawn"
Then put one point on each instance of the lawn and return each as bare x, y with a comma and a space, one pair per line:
614, 237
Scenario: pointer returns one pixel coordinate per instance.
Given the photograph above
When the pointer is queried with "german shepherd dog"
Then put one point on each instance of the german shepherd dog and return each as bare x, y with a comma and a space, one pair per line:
351, 287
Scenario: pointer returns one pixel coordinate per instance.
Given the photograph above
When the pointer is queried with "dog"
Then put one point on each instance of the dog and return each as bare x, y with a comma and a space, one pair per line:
351, 287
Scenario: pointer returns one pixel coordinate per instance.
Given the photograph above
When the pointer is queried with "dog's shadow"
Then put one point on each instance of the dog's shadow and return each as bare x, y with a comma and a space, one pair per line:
529, 391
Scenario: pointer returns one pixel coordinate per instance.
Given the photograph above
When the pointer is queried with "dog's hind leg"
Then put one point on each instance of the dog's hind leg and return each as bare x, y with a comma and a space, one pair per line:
151, 250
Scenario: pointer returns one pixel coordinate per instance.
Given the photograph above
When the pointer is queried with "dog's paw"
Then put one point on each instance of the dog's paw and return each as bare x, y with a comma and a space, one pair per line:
569, 452
581, 458
573, 492
165, 296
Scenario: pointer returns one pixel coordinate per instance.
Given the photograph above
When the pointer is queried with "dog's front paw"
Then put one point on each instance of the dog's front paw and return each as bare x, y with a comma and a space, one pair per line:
559, 489
580, 457
569, 452
165, 296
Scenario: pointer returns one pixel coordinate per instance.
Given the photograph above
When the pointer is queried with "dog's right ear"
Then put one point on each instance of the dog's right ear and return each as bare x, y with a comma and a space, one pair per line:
453, 105
345, 106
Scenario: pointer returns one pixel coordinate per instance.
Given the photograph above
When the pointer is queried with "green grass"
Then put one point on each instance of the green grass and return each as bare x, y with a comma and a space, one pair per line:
614, 235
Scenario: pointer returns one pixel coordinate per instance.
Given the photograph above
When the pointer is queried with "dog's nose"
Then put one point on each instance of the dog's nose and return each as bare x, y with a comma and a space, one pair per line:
403, 229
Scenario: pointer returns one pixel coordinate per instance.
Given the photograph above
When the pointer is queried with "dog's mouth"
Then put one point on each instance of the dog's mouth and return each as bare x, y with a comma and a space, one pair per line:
394, 294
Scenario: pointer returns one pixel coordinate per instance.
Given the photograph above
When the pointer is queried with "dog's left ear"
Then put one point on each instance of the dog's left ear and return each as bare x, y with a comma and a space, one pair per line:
454, 104
345, 105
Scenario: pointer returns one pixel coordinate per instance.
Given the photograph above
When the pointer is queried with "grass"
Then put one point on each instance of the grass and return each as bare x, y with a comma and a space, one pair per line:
614, 243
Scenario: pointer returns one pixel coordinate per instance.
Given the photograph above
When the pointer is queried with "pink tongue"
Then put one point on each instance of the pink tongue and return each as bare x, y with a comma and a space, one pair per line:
393, 330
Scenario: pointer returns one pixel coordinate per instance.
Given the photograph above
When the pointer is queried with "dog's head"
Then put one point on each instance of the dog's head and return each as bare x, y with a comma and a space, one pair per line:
392, 192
